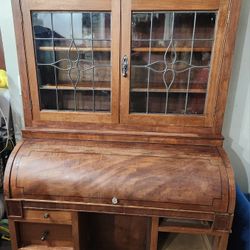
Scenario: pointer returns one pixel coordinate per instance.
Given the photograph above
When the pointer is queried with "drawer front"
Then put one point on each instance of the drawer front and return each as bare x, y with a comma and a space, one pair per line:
45, 234
47, 216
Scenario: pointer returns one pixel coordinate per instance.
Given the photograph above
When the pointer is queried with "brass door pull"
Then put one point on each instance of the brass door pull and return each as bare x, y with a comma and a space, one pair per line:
125, 66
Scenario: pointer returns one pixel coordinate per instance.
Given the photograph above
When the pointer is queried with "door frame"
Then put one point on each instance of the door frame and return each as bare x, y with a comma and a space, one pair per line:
27, 6
205, 120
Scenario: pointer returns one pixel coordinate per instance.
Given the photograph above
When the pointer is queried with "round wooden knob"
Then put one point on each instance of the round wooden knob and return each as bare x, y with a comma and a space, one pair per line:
46, 216
44, 236
114, 201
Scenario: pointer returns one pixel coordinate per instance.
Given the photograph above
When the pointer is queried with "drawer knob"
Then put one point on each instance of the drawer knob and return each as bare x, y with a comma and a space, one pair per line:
46, 216
114, 201
44, 236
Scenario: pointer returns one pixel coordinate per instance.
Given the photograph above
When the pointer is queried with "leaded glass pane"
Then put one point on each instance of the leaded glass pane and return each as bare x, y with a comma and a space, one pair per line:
170, 61
73, 60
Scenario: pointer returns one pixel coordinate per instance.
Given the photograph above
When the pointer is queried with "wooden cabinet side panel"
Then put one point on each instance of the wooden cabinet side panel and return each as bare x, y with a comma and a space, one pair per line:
232, 25
22, 62
8, 169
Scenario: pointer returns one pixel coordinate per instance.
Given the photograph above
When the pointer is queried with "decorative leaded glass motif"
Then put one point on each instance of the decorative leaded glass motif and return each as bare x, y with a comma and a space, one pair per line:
73, 60
170, 61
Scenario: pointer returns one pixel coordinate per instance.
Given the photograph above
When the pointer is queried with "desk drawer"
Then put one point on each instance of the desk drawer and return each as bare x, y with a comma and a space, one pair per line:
47, 216
45, 234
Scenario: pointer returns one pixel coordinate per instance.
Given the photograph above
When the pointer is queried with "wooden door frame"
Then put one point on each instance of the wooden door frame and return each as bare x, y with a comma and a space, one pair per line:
68, 116
206, 120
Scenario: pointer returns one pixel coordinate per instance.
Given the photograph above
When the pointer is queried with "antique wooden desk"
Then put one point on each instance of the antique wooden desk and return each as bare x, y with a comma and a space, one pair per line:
124, 104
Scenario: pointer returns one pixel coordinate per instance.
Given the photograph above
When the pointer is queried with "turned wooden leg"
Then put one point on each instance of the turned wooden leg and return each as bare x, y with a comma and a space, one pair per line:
154, 233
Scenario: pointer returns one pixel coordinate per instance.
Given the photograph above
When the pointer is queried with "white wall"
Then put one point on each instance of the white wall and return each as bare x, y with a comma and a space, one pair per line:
9, 45
236, 127
237, 118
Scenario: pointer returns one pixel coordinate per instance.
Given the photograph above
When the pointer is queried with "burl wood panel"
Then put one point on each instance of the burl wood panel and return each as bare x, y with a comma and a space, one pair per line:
159, 176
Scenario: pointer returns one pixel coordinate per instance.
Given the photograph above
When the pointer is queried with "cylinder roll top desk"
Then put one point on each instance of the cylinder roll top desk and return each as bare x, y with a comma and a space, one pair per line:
124, 104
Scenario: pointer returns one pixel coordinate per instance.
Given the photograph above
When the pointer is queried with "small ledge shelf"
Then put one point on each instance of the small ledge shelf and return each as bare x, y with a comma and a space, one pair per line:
143, 50
161, 89
63, 49
177, 49
172, 225
104, 86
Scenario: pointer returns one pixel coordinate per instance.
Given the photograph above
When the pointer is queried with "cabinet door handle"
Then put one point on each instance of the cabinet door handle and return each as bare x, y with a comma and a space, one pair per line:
44, 235
125, 66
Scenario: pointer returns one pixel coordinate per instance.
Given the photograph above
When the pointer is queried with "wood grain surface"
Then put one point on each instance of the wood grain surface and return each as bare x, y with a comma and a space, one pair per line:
147, 175
108, 181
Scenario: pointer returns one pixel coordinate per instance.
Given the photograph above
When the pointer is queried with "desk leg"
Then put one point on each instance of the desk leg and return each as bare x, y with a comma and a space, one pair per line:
14, 234
75, 230
223, 242
154, 233
220, 242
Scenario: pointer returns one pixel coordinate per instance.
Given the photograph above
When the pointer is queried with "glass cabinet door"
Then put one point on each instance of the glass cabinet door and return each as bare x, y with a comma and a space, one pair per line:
170, 61
111, 61
169, 69
73, 61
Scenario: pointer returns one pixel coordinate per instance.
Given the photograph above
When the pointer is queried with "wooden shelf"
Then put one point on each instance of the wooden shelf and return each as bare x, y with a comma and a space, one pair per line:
146, 49
158, 88
105, 86
181, 49
50, 48
175, 225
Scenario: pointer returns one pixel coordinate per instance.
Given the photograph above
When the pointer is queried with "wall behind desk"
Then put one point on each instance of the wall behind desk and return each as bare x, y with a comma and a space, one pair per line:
10, 54
236, 129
